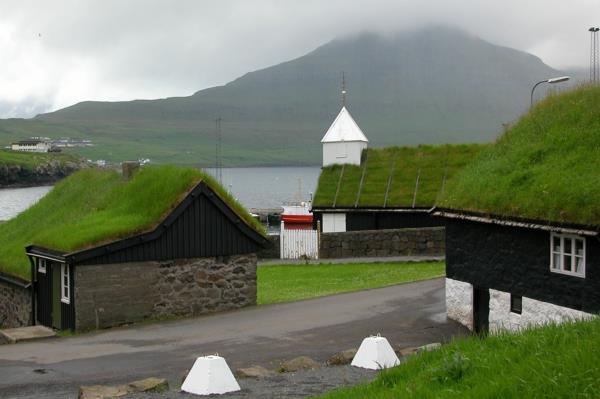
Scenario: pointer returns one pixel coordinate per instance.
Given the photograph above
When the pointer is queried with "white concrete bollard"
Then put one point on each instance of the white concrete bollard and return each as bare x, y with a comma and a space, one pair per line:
375, 353
210, 375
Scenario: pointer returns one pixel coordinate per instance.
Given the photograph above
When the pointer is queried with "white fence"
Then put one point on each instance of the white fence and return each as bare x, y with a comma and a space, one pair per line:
296, 244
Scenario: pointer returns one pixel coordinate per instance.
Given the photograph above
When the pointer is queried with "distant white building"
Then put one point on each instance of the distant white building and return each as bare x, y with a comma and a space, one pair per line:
344, 141
32, 145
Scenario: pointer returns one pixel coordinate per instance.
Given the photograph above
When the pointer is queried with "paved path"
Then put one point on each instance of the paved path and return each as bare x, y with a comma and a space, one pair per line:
408, 315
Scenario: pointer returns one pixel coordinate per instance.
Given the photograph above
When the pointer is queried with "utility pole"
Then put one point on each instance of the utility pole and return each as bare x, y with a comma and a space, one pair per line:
218, 160
594, 54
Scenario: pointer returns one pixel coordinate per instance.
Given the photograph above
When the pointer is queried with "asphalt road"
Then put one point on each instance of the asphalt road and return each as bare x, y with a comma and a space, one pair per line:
408, 315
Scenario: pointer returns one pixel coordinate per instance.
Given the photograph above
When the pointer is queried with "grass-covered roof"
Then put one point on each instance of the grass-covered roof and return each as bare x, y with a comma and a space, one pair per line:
389, 177
95, 206
545, 167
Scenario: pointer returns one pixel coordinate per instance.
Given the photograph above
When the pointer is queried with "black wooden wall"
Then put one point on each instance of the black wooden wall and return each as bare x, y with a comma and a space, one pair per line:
356, 220
517, 260
201, 230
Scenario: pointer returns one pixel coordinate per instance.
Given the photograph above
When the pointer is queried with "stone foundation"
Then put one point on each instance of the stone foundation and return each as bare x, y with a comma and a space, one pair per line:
459, 302
15, 305
533, 313
115, 294
459, 307
396, 242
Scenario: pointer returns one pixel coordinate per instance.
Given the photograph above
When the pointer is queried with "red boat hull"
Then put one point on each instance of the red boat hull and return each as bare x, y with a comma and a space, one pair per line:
301, 219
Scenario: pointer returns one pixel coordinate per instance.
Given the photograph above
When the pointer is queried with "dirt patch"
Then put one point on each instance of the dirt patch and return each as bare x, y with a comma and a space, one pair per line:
300, 384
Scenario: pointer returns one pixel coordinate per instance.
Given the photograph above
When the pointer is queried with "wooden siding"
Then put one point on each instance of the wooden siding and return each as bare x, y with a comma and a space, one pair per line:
517, 260
202, 229
44, 295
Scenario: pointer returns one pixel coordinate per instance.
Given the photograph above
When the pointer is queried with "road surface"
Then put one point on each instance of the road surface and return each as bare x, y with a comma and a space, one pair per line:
408, 315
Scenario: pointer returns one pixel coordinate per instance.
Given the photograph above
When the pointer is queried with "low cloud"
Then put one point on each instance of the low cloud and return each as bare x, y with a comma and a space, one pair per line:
65, 51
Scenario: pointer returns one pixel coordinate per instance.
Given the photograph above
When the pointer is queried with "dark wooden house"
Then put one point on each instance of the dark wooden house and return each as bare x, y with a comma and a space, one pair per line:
508, 273
523, 221
392, 188
200, 258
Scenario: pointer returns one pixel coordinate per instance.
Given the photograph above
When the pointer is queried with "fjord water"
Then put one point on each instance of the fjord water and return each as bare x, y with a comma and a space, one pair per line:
15, 200
253, 187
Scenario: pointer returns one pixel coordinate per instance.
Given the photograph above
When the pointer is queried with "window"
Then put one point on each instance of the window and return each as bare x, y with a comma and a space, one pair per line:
516, 303
41, 265
567, 254
65, 283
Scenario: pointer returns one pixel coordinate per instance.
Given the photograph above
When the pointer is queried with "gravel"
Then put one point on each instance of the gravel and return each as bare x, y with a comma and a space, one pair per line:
300, 384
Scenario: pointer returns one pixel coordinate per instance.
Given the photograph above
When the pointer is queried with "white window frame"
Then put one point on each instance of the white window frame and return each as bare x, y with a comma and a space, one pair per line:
41, 265
65, 283
566, 240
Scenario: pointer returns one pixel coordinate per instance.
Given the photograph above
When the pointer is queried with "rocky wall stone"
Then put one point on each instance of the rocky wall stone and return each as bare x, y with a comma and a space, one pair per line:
272, 249
533, 313
459, 302
108, 295
395, 242
15, 305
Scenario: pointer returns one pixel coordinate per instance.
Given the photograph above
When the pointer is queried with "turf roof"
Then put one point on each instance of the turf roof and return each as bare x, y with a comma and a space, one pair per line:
95, 206
390, 177
546, 167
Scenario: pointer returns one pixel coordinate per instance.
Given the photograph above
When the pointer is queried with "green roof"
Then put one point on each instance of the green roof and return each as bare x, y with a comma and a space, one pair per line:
546, 167
94, 206
389, 177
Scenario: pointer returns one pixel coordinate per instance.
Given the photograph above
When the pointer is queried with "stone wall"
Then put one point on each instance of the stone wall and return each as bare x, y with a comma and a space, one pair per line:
115, 294
396, 242
459, 302
272, 250
459, 307
15, 305
532, 313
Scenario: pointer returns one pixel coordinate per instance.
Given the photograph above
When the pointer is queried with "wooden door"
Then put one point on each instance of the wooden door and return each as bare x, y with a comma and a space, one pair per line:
44, 292
481, 310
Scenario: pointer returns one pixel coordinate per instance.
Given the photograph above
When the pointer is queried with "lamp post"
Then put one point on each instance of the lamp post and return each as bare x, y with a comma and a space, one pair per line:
551, 80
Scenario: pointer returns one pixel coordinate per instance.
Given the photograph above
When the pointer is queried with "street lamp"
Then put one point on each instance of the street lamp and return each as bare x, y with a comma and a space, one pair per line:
551, 80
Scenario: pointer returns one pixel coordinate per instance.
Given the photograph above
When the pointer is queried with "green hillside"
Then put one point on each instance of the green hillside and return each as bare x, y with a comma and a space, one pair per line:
389, 176
31, 160
425, 87
555, 361
546, 167
94, 206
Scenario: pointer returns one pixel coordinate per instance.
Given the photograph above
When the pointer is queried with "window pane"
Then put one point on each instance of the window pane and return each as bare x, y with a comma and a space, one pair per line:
567, 247
566, 263
556, 244
556, 262
579, 247
579, 265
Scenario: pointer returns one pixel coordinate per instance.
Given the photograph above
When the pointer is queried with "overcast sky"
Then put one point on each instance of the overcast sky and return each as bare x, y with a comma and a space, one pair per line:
56, 53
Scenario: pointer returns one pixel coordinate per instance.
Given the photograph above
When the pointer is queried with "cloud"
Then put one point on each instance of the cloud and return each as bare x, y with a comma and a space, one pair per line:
61, 52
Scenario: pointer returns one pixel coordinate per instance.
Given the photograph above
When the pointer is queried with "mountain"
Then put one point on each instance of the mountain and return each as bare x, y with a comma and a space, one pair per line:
436, 85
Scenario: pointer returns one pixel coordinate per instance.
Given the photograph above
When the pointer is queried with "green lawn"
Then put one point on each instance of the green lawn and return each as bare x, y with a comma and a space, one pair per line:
284, 283
549, 362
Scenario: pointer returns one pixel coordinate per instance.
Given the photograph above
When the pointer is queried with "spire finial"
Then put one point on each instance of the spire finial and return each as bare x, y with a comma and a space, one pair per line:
343, 89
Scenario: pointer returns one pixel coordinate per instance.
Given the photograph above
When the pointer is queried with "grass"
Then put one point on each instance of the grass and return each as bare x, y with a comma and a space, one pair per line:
284, 283
545, 167
555, 361
29, 160
394, 170
94, 206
